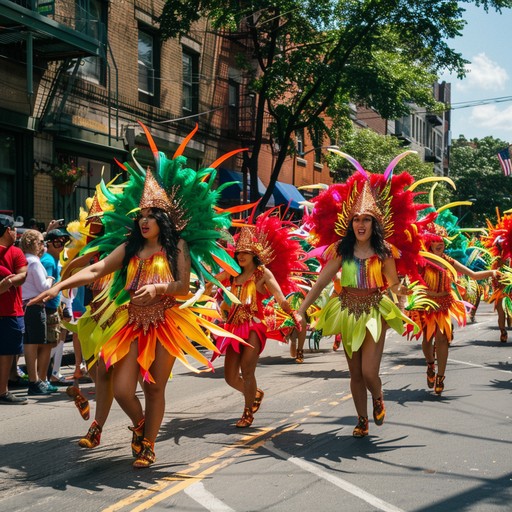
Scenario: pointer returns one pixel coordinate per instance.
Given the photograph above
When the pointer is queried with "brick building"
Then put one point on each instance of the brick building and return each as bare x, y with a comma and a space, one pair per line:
77, 75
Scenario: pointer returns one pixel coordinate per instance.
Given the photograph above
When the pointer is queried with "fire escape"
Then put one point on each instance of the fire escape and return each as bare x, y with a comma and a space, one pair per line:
28, 35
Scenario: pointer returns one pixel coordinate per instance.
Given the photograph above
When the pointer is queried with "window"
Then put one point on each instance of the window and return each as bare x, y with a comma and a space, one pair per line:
146, 63
190, 82
299, 140
91, 16
7, 170
234, 105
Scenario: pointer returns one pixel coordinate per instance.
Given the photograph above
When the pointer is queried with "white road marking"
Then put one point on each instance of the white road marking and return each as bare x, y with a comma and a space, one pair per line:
485, 367
206, 499
338, 482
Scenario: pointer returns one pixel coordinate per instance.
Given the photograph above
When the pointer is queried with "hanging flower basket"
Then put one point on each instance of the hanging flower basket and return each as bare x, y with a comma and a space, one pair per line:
64, 189
65, 177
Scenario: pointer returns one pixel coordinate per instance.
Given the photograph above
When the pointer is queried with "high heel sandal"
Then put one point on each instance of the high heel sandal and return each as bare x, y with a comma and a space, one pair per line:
379, 411
82, 404
431, 374
137, 437
246, 419
300, 357
92, 438
361, 429
257, 400
146, 456
439, 386
503, 336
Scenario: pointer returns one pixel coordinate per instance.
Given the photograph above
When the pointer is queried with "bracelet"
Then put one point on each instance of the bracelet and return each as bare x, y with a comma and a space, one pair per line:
8, 279
285, 306
296, 321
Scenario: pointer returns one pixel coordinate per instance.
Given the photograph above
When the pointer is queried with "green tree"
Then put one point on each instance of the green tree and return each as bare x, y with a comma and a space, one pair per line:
476, 171
374, 152
310, 57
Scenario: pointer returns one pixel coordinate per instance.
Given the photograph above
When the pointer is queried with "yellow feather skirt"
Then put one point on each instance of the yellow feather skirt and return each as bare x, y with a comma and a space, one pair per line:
354, 325
174, 328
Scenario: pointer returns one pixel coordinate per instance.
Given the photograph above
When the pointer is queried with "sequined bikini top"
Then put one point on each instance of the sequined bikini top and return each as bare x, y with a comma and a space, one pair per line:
152, 270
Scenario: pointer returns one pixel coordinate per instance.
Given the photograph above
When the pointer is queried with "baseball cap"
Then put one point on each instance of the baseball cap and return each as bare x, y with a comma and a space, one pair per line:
7, 221
56, 233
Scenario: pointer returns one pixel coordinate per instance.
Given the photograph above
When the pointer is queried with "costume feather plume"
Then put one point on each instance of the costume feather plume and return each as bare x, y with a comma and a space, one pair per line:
332, 207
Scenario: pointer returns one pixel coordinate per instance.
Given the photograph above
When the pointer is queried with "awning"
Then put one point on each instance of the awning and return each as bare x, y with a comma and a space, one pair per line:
285, 193
235, 191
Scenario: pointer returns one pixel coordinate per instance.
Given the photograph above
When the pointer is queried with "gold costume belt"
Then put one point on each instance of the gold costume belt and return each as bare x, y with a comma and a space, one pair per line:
358, 303
144, 316
443, 302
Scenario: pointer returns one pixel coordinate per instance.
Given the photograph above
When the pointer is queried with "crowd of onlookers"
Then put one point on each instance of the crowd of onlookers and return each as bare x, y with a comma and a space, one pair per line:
30, 264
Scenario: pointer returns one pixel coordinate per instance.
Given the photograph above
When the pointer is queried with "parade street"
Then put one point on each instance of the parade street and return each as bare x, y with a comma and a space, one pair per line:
433, 453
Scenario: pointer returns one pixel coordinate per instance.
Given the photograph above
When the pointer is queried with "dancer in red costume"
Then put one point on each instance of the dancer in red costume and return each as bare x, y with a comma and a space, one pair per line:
257, 247
499, 243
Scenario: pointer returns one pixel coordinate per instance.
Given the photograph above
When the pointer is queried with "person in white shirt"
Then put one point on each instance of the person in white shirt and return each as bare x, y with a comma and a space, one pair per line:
35, 345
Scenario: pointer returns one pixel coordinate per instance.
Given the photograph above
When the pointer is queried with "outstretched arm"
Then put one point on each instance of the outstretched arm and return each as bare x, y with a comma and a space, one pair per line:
482, 274
85, 276
324, 278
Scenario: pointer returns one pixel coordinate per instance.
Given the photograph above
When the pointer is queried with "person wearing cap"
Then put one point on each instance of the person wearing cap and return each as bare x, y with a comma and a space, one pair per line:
13, 272
55, 240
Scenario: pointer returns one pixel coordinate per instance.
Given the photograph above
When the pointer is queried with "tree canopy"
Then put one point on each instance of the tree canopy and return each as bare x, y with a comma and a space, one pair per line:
475, 168
310, 58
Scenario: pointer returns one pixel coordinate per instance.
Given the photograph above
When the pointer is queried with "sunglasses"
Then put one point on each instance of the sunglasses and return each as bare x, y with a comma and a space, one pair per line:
57, 243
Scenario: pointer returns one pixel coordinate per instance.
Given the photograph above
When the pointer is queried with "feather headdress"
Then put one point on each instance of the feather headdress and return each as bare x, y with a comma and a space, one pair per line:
187, 194
274, 241
388, 200
498, 239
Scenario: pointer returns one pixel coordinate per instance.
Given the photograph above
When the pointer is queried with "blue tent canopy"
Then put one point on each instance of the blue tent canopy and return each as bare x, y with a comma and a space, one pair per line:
234, 191
285, 193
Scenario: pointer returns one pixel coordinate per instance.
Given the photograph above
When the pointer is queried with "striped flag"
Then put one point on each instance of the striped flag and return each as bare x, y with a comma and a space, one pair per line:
506, 164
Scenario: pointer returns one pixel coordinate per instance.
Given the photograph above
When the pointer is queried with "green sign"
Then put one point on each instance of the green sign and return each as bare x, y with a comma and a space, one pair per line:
46, 7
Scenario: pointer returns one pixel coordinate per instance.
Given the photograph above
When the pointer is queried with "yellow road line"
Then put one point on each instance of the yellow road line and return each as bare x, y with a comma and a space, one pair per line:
169, 486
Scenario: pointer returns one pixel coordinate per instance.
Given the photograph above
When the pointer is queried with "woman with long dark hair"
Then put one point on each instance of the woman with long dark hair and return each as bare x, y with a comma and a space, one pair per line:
146, 329
364, 224
366, 268
268, 256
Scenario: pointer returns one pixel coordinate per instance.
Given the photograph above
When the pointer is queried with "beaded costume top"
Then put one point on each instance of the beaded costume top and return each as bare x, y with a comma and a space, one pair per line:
152, 270
250, 300
438, 279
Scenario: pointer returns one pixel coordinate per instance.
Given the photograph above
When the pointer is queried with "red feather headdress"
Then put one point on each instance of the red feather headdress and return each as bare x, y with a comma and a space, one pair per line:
334, 208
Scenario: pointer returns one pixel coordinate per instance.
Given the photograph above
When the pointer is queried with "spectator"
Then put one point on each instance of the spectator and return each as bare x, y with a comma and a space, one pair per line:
13, 272
35, 344
55, 239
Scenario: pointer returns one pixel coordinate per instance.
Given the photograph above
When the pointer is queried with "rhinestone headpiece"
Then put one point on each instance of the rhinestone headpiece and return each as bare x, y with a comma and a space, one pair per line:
254, 243
154, 196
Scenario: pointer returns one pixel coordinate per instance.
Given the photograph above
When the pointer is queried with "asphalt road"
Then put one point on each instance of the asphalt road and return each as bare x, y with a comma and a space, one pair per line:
433, 453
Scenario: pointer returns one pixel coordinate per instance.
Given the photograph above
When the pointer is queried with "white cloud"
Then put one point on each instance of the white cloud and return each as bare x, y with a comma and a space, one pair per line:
493, 119
483, 74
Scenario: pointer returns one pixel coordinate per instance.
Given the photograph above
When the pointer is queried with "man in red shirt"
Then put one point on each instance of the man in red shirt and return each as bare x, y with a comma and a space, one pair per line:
13, 271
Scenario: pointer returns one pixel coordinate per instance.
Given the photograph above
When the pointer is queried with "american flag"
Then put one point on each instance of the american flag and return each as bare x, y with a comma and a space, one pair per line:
506, 164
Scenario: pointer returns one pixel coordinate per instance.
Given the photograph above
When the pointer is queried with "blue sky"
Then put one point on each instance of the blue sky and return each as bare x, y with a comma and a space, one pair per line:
486, 42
